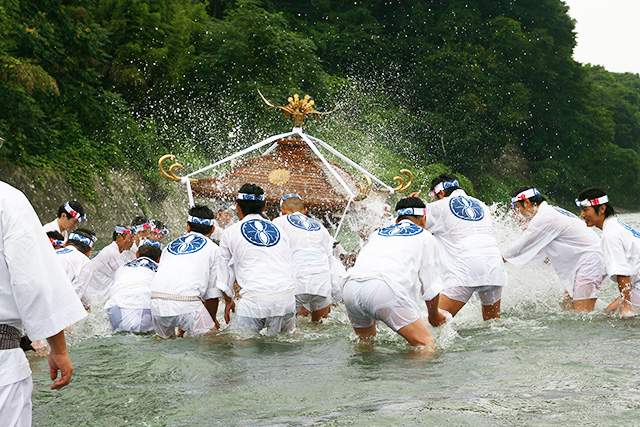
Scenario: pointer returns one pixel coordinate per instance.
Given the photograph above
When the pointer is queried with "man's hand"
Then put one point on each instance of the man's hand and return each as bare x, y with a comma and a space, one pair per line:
229, 306
59, 360
438, 319
415, 194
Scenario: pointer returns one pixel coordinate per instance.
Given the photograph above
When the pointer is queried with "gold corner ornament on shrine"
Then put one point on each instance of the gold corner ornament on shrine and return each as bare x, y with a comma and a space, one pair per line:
298, 108
171, 174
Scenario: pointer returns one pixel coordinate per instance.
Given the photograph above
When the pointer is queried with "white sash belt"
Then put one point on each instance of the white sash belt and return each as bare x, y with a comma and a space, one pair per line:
174, 297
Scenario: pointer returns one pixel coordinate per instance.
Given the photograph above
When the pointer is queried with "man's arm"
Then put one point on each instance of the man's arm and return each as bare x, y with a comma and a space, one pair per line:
623, 302
59, 360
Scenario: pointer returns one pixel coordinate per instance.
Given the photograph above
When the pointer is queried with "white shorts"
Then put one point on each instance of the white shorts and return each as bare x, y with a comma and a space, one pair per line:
15, 403
488, 294
587, 287
312, 302
371, 300
195, 323
273, 325
130, 319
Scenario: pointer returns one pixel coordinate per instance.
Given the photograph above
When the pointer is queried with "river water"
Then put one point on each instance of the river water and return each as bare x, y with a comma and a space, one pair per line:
538, 366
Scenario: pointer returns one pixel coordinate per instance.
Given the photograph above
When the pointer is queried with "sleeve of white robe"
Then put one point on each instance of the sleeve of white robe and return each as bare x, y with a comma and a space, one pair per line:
212, 291
81, 283
428, 275
40, 288
534, 239
225, 276
615, 256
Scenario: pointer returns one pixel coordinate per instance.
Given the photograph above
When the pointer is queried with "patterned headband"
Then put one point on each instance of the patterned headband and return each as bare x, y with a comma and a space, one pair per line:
523, 195
122, 230
73, 213
198, 220
247, 196
444, 185
593, 202
412, 212
288, 196
149, 242
82, 239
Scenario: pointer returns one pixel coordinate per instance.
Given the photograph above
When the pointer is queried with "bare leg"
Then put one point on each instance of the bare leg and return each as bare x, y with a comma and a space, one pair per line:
584, 304
318, 315
447, 304
567, 302
491, 311
364, 333
303, 312
417, 334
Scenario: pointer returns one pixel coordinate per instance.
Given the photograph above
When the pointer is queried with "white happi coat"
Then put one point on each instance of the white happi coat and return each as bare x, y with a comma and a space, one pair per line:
105, 264
187, 267
256, 253
311, 252
79, 270
565, 239
53, 226
35, 292
403, 255
469, 253
132, 285
621, 248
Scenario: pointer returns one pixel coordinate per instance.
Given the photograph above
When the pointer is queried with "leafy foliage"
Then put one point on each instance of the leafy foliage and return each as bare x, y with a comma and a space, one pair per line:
433, 84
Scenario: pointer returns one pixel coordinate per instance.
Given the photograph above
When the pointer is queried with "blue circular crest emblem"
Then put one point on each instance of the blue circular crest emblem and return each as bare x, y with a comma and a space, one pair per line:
466, 209
303, 222
401, 229
186, 244
260, 233
633, 231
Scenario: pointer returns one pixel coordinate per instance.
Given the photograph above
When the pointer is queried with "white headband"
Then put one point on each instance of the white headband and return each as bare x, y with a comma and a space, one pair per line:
593, 202
412, 212
523, 195
444, 185
247, 196
122, 230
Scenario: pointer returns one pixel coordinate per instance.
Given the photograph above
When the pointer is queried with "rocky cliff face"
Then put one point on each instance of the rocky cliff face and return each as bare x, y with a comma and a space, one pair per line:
118, 198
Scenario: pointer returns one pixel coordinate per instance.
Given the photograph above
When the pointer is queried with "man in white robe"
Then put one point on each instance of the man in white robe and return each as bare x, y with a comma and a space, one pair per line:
470, 259
256, 253
312, 252
383, 283
107, 261
224, 218
183, 291
572, 248
69, 215
621, 247
35, 294
142, 229
75, 261
129, 305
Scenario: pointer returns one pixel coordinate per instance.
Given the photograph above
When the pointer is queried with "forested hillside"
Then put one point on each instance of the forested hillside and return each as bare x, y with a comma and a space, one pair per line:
90, 85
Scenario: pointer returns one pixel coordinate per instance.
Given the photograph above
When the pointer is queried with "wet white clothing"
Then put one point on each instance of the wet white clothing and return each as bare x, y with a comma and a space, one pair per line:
35, 292
187, 268
621, 248
79, 270
15, 403
469, 253
311, 252
53, 226
256, 253
105, 264
217, 231
132, 284
403, 255
565, 239
194, 323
